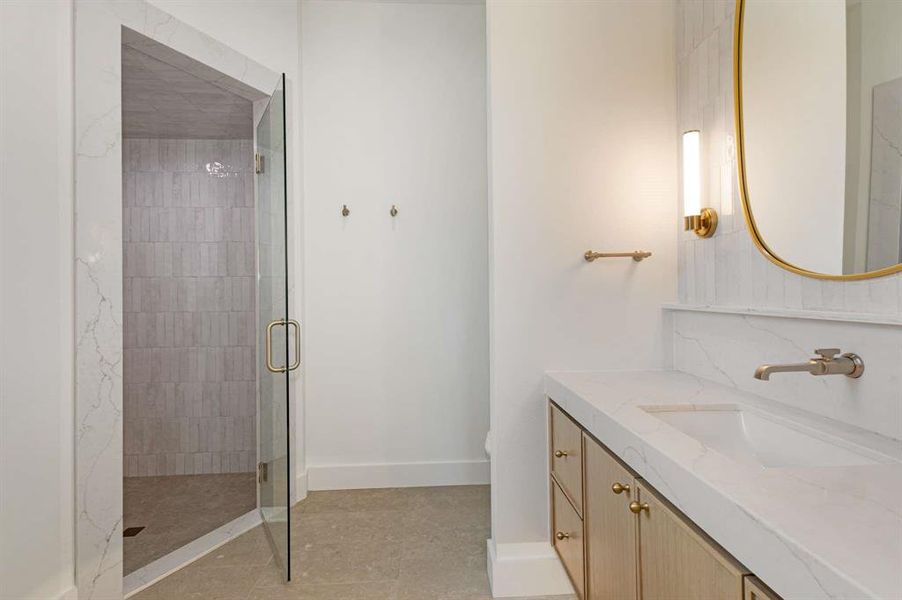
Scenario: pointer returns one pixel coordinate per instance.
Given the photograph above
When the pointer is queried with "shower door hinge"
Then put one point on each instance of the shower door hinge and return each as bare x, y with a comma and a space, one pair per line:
262, 472
258, 163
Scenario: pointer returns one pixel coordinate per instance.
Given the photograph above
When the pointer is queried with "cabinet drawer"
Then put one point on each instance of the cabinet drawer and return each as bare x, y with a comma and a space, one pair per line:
755, 590
567, 537
566, 456
677, 561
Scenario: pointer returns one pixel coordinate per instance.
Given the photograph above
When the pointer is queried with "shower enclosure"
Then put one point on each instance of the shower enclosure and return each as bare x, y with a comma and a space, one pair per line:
206, 330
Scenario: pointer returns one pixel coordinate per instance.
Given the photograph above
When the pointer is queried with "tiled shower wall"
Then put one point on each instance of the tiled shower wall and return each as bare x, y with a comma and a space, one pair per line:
728, 270
189, 330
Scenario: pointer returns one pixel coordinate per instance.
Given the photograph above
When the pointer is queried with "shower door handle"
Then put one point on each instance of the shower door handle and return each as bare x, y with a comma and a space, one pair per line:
297, 345
271, 367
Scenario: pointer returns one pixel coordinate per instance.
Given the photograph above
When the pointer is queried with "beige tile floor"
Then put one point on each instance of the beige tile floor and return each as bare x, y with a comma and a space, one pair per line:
177, 509
385, 544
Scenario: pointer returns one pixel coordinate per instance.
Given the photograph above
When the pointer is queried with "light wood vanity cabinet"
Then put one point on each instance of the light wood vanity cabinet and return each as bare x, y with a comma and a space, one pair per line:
568, 538
618, 539
566, 456
755, 590
679, 562
611, 529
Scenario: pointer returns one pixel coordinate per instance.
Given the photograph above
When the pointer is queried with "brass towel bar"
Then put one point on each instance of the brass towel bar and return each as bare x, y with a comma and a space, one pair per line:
636, 255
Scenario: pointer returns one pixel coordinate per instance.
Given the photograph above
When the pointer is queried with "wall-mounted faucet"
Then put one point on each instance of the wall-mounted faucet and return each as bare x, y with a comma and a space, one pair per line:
827, 363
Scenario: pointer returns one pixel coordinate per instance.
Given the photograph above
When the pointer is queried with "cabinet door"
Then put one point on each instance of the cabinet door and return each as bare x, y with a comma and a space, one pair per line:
567, 537
611, 529
677, 561
566, 456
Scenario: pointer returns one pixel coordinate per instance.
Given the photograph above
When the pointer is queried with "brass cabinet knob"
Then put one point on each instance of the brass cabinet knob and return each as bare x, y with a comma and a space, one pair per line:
561, 536
637, 508
560, 453
619, 488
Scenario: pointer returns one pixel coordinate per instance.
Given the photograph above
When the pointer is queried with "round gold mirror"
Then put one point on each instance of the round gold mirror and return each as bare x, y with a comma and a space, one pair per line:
818, 92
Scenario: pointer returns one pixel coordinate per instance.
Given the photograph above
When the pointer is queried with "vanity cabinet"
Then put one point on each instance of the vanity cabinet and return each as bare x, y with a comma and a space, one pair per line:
568, 538
611, 529
566, 456
755, 590
677, 560
619, 539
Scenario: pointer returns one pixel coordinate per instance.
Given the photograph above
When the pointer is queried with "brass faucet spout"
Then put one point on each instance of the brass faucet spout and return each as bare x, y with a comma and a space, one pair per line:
827, 363
764, 371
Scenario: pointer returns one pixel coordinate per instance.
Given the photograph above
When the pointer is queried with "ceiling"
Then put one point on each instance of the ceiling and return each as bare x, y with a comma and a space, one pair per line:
163, 101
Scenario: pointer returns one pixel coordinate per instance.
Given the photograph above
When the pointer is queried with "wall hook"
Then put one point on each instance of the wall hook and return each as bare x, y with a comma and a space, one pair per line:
394, 211
345, 211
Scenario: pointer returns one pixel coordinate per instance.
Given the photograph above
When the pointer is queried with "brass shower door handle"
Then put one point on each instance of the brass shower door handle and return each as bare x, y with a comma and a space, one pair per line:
297, 345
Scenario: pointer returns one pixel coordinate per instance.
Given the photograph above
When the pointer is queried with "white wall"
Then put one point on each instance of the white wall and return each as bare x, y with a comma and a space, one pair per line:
397, 309
267, 31
794, 109
583, 155
36, 300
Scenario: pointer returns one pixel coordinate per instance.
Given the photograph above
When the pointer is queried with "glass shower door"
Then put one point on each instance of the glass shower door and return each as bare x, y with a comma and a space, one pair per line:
273, 324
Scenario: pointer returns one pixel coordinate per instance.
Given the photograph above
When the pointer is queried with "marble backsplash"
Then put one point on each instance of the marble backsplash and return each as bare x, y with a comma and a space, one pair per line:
727, 348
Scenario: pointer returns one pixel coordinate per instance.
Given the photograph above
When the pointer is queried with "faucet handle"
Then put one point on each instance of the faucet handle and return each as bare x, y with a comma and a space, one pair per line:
827, 353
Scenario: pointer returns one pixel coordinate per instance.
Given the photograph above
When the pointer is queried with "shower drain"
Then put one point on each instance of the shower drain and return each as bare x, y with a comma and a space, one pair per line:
132, 531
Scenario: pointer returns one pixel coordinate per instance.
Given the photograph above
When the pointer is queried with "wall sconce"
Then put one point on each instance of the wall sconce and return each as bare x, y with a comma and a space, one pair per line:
703, 221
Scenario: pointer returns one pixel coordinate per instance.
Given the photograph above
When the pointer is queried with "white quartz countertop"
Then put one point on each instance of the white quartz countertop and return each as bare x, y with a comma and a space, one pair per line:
826, 532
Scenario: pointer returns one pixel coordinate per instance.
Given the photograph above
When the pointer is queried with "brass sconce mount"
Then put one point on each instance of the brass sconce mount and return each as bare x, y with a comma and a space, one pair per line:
704, 225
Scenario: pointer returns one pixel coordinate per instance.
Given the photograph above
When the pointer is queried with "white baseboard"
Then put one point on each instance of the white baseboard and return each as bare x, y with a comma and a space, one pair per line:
149, 574
385, 475
527, 569
300, 488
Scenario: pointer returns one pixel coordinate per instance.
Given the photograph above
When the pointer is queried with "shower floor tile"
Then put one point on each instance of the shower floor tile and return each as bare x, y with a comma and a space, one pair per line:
176, 509
385, 544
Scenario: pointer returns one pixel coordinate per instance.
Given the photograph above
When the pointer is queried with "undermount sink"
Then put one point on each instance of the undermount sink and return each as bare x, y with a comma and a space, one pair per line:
756, 439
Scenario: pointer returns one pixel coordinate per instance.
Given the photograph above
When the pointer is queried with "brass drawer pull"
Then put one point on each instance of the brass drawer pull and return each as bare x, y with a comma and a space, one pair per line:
561, 536
560, 454
637, 508
619, 488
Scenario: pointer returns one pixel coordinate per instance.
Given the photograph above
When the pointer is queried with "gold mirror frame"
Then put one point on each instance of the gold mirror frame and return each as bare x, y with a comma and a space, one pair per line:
743, 184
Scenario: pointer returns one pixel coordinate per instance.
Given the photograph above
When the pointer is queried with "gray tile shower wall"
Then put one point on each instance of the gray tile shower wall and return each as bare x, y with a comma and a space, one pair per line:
189, 331
728, 270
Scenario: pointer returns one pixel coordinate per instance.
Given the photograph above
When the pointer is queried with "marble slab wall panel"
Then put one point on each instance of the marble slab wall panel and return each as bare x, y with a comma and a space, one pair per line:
99, 29
727, 348
727, 270
189, 367
885, 203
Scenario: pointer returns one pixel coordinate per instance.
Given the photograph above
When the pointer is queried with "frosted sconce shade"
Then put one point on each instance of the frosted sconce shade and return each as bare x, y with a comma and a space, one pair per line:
703, 221
692, 173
